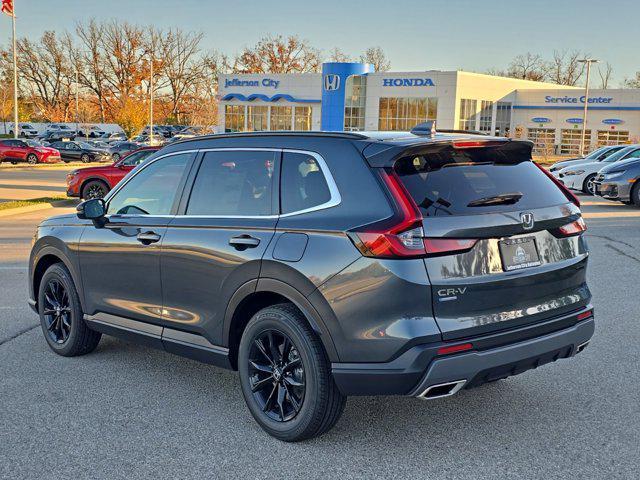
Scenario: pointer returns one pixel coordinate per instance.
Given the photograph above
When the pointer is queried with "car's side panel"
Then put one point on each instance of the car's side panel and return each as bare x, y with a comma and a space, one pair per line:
384, 307
201, 271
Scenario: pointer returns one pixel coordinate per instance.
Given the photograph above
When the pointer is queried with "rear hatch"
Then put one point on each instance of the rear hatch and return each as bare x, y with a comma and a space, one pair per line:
503, 240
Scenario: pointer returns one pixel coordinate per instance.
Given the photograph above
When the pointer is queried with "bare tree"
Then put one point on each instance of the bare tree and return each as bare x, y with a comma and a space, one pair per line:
632, 82
91, 63
565, 68
376, 57
44, 67
278, 55
183, 67
605, 75
337, 55
527, 66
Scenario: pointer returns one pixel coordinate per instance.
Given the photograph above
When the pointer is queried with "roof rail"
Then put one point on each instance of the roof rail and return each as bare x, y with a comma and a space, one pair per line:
284, 133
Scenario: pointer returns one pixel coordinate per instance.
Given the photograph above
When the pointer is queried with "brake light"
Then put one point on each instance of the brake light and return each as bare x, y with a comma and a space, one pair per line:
573, 228
461, 347
567, 193
402, 235
476, 144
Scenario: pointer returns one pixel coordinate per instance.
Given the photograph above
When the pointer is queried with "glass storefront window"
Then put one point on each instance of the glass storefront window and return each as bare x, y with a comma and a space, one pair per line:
486, 115
468, 113
402, 114
257, 118
302, 118
354, 102
503, 119
281, 118
234, 116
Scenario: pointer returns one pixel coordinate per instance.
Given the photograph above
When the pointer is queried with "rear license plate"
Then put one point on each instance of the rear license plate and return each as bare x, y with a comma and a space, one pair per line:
519, 253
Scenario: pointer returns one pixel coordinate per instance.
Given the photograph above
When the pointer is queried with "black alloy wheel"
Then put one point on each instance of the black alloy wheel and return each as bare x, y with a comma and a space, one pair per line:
276, 375
94, 189
57, 311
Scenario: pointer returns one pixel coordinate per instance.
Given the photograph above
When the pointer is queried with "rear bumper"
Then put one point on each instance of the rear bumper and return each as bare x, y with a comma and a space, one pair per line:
494, 356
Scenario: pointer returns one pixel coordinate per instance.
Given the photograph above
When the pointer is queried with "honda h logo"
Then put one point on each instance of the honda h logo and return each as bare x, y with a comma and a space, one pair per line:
527, 220
331, 82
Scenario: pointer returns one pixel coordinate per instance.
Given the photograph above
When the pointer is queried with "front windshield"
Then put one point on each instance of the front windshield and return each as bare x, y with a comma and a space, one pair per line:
595, 153
86, 145
33, 143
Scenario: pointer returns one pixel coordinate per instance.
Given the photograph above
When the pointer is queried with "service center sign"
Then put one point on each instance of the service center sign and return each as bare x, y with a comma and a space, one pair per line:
576, 100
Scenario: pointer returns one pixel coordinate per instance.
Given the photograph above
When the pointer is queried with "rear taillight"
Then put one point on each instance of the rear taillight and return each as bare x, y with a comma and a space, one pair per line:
567, 193
571, 229
400, 236
449, 349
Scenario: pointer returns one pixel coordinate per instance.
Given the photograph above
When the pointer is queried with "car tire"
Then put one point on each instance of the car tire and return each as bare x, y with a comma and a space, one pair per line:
84, 158
32, 159
61, 316
299, 398
635, 193
94, 189
115, 157
587, 185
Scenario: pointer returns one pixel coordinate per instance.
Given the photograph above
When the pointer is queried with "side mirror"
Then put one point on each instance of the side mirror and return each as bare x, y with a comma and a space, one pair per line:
93, 209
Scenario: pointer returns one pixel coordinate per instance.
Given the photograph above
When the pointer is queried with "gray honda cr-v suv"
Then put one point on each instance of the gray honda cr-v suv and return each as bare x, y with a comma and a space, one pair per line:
323, 265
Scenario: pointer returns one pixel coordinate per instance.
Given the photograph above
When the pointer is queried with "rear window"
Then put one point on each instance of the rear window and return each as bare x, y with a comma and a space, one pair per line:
475, 181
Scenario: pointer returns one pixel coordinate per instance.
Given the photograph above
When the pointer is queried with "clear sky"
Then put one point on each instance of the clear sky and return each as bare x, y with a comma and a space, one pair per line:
416, 35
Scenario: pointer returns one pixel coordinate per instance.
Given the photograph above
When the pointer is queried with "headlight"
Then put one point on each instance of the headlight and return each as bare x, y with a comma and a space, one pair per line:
615, 174
573, 172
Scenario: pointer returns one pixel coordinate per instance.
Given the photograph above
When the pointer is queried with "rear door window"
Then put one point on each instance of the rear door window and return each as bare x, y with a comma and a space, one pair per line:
233, 183
475, 181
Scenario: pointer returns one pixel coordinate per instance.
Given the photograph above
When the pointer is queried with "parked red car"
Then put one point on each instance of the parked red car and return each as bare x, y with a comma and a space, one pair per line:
95, 182
16, 150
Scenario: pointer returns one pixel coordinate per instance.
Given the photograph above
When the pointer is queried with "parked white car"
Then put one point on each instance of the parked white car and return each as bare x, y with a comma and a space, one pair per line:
25, 130
597, 155
580, 176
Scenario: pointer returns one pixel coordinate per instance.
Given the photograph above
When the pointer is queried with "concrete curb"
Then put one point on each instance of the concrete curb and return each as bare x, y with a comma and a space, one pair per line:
38, 206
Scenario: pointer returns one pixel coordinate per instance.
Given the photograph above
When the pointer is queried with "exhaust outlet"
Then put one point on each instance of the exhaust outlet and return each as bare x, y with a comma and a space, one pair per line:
581, 347
442, 390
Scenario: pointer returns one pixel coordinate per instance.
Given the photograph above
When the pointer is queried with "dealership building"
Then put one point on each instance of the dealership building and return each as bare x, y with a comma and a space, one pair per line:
353, 97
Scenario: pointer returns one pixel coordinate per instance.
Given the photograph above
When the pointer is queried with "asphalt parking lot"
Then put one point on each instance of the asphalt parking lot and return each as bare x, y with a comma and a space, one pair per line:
126, 411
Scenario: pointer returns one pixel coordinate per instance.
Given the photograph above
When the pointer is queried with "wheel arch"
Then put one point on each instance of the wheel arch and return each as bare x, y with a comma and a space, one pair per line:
46, 257
255, 295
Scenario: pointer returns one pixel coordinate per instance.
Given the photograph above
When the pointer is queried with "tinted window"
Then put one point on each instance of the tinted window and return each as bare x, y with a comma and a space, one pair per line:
233, 183
153, 190
633, 154
136, 158
475, 181
303, 184
58, 145
608, 153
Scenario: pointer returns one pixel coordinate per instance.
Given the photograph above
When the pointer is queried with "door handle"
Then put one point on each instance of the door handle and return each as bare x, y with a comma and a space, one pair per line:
148, 237
243, 242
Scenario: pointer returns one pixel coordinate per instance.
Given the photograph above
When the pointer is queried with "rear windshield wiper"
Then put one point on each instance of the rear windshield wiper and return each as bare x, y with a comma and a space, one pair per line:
502, 199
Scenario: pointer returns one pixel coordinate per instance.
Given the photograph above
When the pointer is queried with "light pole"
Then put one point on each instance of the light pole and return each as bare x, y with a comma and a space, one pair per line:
588, 61
77, 102
151, 95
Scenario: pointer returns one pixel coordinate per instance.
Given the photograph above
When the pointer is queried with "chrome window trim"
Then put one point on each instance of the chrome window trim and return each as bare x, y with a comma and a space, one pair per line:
334, 194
